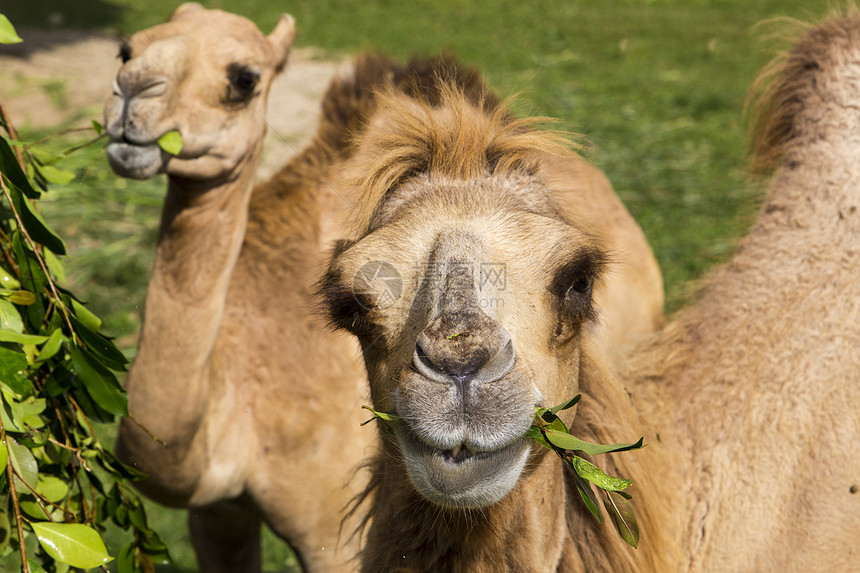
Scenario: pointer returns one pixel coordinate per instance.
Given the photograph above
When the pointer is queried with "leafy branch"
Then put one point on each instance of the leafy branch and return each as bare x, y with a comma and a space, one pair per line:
551, 432
59, 484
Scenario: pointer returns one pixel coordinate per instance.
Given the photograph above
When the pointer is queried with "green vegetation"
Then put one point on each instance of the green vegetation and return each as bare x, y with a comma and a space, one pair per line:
61, 489
656, 87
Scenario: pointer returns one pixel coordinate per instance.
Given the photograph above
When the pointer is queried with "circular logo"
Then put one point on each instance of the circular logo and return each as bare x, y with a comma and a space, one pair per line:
378, 282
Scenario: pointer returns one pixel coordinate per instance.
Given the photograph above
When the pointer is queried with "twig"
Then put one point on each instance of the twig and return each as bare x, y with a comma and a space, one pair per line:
4, 117
60, 133
145, 429
19, 521
74, 148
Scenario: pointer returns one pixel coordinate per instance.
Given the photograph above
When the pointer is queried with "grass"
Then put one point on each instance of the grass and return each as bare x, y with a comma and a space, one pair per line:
657, 88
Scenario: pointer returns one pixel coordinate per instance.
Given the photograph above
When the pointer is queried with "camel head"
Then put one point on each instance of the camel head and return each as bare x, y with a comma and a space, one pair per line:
204, 73
467, 288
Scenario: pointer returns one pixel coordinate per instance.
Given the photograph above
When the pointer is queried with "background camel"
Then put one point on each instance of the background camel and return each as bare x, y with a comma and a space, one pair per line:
756, 385
233, 374
748, 398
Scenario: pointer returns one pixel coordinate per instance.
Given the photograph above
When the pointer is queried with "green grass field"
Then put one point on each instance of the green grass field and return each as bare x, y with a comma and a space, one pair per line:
657, 88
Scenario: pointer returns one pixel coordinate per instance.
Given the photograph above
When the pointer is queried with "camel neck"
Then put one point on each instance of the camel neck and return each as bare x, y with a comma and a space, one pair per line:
202, 230
523, 532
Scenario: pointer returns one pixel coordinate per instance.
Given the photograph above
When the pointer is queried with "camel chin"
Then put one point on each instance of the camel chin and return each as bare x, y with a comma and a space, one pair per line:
136, 161
459, 478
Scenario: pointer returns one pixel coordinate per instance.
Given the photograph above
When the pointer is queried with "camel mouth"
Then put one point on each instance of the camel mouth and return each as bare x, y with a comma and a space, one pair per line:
458, 454
135, 161
461, 477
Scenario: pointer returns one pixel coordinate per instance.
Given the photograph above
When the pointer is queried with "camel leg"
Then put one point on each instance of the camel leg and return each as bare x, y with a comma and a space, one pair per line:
226, 537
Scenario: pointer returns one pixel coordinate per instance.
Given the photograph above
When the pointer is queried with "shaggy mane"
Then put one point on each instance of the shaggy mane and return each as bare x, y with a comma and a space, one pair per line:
460, 138
778, 93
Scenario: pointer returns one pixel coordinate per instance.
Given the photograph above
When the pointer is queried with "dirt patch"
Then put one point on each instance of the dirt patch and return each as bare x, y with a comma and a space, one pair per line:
56, 78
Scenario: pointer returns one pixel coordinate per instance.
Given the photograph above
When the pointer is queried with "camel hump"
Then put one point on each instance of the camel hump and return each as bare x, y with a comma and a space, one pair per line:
795, 88
351, 100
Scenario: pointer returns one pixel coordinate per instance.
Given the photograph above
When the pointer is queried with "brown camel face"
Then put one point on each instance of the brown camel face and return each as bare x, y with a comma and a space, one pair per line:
204, 73
470, 298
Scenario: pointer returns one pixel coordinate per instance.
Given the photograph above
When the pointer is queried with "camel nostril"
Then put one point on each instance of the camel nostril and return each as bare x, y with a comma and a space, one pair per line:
156, 88
425, 366
500, 364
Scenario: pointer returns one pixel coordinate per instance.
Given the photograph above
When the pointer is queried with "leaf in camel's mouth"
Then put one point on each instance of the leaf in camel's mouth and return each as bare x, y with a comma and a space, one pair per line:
552, 433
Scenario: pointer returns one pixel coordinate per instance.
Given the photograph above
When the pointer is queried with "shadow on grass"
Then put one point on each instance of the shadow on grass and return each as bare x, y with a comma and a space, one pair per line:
48, 23
80, 14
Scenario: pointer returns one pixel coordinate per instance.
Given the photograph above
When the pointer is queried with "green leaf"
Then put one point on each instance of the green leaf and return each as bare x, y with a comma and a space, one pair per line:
8, 280
5, 531
171, 142
623, 517
32, 278
11, 336
7, 32
52, 488
72, 543
35, 225
54, 175
24, 463
10, 319
22, 297
30, 410
588, 497
10, 412
595, 475
4, 455
535, 434
99, 345
384, 416
35, 567
33, 509
566, 405
55, 266
100, 384
570, 442
11, 169
13, 365
97, 127
51, 346
125, 559
86, 316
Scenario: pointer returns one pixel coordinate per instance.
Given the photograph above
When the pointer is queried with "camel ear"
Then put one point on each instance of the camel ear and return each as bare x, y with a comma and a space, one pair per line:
281, 39
185, 10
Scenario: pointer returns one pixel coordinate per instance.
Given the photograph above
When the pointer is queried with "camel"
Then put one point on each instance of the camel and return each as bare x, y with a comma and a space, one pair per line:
234, 377
747, 398
245, 406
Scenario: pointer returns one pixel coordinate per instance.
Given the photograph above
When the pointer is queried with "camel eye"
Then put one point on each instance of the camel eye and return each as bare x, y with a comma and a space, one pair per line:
244, 80
124, 53
582, 286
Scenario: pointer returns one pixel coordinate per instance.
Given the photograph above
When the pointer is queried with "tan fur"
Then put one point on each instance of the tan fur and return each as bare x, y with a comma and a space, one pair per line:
760, 376
450, 181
